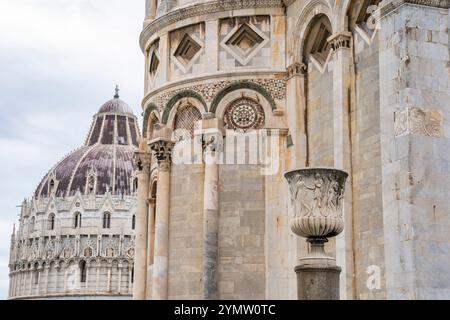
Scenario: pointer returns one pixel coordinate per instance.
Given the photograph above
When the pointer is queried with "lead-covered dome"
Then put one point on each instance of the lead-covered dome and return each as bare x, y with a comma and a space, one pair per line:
104, 163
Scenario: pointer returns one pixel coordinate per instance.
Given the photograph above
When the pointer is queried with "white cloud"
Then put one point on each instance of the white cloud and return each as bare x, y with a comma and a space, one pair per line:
59, 62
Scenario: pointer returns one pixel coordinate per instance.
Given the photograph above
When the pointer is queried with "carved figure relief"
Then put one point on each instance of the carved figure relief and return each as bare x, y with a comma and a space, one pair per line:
416, 121
316, 198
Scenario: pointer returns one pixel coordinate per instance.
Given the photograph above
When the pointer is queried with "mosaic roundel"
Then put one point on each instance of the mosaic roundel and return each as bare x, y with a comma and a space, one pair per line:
244, 115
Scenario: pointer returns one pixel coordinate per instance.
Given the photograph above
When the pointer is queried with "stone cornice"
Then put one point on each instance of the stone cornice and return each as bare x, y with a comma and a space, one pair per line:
201, 9
388, 6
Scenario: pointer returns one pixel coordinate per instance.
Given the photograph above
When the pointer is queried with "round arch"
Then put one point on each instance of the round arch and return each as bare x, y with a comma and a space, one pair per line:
239, 87
306, 18
150, 111
187, 95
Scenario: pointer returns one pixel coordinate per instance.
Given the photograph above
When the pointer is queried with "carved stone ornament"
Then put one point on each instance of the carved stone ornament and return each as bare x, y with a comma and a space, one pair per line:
340, 41
244, 115
415, 121
296, 69
162, 150
316, 198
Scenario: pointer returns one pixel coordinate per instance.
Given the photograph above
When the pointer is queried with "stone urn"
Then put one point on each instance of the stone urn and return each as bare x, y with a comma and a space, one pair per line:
317, 196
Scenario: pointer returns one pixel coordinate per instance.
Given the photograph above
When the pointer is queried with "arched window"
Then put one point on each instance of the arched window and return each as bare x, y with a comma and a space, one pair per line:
77, 220
91, 185
135, 185
51, 222
51, 187
133, 222
186, 122
36, 273
83, 271
32, 224
132, 274
106, 220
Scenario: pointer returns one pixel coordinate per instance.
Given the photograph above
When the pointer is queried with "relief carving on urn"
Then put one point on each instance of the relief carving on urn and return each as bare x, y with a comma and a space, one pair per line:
317, 196
316, 199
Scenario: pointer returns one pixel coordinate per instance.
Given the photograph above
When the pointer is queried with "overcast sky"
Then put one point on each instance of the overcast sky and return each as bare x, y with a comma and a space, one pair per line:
59, 62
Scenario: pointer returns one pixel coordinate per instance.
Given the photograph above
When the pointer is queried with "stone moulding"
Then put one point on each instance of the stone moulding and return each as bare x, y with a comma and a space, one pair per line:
316, 197
201, 9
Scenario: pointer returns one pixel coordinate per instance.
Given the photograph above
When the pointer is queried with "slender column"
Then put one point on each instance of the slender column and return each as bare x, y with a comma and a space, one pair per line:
47, 271
342, 75
97, 283
140, 267
39, 271
130, 282
30, 289
296, 105
162, 150
57, 268
86, 286
109, 280
151, 244
65, 281
120, 279
150, 11
212, 138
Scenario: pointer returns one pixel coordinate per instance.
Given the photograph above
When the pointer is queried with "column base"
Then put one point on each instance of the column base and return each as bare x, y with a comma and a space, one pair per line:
318, 282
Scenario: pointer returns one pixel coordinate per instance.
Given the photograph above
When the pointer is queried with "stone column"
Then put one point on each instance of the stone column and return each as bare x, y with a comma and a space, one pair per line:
162, 150
212, 138
140, 266
150, 245
342, 76
120, 278
150, 11
296, 108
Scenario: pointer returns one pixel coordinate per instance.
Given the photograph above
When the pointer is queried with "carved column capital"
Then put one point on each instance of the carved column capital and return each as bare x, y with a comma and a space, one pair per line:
340, 40
162, 150
297, 69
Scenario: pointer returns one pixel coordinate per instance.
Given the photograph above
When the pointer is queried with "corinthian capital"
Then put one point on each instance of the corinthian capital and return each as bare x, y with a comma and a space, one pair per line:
162, 150
340, 40
296, 69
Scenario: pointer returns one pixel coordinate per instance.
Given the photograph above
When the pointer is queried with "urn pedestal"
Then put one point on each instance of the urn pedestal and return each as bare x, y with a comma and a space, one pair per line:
316, 198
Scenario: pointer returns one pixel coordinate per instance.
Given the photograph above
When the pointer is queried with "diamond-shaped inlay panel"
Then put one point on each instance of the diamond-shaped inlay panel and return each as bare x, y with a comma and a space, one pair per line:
154, 64
187, 52
244, 42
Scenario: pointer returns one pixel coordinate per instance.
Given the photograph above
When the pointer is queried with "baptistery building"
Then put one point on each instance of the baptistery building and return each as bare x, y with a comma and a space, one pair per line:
356, 85
75, 238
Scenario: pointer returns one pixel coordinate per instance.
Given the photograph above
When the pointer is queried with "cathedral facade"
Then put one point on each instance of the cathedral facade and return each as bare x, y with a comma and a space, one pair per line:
356, 85
75, 238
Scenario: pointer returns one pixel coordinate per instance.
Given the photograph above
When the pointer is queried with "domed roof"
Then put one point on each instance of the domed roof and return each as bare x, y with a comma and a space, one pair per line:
104, 163
116, 105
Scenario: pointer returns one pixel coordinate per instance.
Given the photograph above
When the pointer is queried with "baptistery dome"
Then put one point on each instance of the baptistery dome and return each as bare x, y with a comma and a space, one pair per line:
75, 238
105, 161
